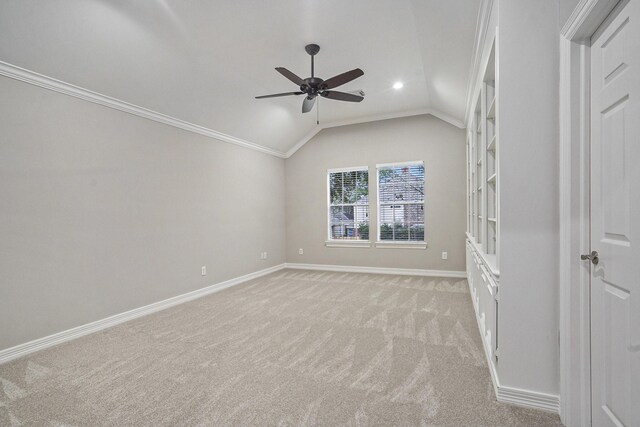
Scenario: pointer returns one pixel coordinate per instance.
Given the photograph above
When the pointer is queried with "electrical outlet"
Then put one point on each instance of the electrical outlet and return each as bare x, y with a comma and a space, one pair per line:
204, 270
265, 255
300, 251
444, 255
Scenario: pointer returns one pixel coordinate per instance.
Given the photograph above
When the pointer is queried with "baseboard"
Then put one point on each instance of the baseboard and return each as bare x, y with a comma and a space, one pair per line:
378, 270
529, 399
516, 396
77, 332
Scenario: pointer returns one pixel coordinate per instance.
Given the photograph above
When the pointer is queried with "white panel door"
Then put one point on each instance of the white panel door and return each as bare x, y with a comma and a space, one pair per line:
615, 218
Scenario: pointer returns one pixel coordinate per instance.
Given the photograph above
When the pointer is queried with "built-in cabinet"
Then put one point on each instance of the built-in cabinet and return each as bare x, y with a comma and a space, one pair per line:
483, 221
512, 244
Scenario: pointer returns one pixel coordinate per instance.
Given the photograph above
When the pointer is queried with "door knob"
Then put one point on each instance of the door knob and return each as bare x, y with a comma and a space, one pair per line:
593, 256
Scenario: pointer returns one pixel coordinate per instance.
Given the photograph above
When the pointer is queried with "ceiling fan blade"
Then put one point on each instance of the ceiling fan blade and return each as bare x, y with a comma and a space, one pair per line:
307, 104
288, 74
341, 96
279, 94
343, 78
358, 92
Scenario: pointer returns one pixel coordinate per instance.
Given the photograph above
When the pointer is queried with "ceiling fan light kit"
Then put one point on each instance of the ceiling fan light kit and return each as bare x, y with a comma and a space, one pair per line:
314, 86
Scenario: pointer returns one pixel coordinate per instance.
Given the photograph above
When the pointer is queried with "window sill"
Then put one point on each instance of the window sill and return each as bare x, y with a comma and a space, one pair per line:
347, 244
401, 245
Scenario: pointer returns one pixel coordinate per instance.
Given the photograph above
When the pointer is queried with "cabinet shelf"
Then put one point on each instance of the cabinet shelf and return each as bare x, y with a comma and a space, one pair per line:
492, 145
483, 167
491, 111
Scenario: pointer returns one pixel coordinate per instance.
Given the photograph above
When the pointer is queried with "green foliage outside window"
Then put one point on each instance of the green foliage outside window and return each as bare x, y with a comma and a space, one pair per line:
401, 232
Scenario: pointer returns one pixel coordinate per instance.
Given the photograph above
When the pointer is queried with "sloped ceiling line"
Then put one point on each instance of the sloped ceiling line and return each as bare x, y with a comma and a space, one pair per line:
46, 82
30, 77
418, 112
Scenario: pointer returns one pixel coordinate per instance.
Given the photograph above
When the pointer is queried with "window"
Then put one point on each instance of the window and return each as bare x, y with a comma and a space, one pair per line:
348, 204
401, 202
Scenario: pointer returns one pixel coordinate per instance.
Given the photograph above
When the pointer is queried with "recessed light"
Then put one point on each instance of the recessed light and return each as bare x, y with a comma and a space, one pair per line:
398, 85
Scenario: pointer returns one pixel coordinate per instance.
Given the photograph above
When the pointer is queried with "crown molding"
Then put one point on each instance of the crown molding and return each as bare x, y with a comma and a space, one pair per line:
46, 82
419, 112
31, 77
304, 140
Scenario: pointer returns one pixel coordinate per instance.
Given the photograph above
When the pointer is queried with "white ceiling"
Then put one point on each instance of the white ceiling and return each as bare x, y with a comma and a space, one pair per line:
204, 61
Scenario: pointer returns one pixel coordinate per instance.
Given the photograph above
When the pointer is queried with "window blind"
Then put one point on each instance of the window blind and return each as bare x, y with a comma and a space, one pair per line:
401, 202
348, 204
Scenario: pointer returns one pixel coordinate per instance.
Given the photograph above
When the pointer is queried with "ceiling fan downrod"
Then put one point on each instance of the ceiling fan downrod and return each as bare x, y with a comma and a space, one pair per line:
312, 50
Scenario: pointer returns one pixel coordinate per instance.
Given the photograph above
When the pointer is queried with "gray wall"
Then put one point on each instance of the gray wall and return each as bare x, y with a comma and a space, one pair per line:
440, 145
102, 212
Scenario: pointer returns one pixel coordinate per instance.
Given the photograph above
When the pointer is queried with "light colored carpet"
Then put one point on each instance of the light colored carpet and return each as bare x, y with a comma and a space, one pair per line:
291, 348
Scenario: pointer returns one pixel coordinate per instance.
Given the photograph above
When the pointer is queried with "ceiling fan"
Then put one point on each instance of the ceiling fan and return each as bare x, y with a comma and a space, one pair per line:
314, 86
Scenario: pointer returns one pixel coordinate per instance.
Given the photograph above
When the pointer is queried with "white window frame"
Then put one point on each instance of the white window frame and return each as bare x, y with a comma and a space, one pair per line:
386, 244
336, 243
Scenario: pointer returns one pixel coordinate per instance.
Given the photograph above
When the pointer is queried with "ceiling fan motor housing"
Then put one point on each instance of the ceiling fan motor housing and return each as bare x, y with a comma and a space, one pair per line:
312, 85
312, 49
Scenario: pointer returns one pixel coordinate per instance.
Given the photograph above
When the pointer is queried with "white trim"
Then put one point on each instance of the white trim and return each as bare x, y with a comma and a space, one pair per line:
80, 331
528, 398
446, 118
304, 140
574, 122
50, 83
46, 82
586, 18
375, 118
347, 244
399, 164
482, 29
401, 245
378, 270
514, 396
423, 111
349, 169
483, 256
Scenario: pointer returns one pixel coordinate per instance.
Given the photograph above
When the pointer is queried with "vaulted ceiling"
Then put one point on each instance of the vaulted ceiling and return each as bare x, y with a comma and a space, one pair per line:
204, 61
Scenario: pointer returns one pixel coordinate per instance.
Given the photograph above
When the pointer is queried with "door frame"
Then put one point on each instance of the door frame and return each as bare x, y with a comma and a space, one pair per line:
574, 320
